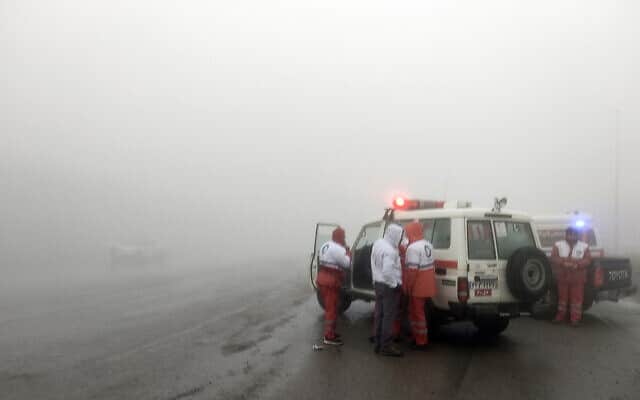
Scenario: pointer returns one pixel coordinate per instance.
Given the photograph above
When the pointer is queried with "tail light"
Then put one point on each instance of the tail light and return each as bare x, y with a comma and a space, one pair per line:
463, 290
598, 277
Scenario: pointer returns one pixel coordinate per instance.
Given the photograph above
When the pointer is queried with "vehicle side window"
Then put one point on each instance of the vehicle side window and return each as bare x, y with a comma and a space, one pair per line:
480, 240
368, 235
442, 234
511, 236
589, 236
549, 237
428, 226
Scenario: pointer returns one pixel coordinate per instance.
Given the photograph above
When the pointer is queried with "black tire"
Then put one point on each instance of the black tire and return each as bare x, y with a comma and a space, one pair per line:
547, 306
589, 298
491, 326
529, 274
433, 320
344, 302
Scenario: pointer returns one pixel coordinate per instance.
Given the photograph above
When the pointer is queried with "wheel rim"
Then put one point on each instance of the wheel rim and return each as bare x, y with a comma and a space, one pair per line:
533, 275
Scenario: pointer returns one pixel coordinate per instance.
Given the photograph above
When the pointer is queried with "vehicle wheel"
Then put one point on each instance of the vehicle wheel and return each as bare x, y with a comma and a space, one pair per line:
344, 302
433, 320
547, 306
491, 326
589, 298
529, 274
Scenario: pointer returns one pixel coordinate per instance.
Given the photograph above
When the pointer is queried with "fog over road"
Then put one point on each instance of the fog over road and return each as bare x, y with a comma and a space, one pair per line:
247, 333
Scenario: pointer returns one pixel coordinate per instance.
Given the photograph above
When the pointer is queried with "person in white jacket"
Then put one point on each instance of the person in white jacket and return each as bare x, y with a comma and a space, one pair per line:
386, 271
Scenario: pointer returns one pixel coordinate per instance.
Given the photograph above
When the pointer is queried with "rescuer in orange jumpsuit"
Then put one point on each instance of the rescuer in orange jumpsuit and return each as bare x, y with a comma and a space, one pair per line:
419, 282
570, 259
335, 257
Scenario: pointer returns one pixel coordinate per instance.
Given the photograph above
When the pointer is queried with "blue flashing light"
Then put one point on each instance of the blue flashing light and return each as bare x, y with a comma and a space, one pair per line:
580, 223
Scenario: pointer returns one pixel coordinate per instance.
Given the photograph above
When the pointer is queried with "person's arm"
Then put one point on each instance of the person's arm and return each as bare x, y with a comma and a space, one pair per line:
344, 258
556, 260
586, 260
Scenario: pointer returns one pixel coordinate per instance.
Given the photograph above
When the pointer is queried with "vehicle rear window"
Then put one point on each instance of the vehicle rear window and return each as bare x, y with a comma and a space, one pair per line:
480, 240
549, 237
510, 236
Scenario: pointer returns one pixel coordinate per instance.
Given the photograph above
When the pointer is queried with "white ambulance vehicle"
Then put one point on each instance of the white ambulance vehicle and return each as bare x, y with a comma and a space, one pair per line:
488, 265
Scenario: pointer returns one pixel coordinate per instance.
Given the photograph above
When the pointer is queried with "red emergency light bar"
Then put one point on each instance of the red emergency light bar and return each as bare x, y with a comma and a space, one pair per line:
400, 203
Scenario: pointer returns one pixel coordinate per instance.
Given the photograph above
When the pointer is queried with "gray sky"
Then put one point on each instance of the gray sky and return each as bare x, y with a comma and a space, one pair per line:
210, 126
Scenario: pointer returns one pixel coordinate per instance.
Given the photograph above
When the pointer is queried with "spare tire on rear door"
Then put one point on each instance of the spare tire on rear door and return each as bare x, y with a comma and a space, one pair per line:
528, 274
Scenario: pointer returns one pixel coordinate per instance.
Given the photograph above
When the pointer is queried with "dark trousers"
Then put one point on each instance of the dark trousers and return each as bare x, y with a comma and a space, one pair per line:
387, 300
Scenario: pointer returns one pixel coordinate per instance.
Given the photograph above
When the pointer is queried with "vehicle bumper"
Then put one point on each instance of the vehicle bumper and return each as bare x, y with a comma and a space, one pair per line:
615, 294
480, 311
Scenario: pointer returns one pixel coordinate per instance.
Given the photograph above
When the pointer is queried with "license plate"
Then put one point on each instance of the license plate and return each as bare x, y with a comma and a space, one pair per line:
484, 283
619, 275
483, 292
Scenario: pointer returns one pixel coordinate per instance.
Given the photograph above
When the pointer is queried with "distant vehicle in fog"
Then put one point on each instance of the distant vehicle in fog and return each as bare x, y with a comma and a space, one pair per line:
130, 255
608, 278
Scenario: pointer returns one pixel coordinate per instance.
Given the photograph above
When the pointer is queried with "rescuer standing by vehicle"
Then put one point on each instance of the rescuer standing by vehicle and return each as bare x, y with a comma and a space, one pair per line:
419, 282
335, 257
570, 258
387, 279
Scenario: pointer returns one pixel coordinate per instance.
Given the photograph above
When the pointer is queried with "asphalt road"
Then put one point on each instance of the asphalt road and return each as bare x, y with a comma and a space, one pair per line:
246, 335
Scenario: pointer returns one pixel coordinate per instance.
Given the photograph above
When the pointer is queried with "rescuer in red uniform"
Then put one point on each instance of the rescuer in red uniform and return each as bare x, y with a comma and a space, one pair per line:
419, 282
570, 258
335, 258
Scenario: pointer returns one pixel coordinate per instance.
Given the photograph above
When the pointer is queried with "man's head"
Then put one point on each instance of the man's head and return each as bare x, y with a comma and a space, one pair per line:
338, 236
571, 235
393, 234
414, 231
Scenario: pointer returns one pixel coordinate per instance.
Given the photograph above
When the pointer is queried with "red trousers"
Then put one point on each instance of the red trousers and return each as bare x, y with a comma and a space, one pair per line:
330, 301
571, 296
418, 320
329, 282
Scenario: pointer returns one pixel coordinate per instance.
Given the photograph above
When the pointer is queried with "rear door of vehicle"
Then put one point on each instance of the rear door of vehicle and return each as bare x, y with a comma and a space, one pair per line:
485, 279
511, 235
323, 235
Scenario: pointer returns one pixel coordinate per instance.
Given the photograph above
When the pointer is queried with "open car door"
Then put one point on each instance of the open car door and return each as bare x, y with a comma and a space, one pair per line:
323, 235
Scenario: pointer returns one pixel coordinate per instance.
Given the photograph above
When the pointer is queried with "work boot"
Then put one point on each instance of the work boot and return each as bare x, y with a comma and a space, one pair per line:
391, 351
376, 349
333, 342
418, 347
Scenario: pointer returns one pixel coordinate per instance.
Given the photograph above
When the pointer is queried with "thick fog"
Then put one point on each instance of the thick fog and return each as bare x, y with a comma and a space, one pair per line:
221, 131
